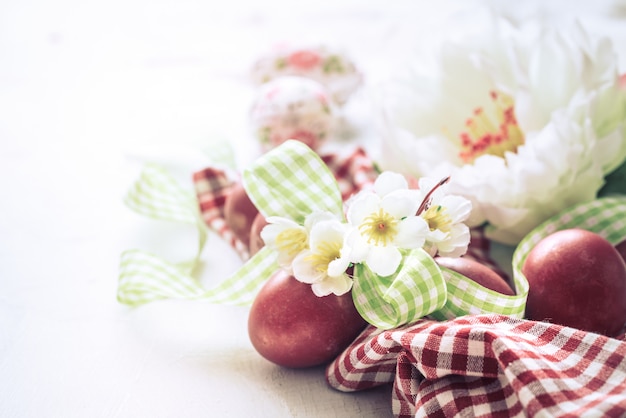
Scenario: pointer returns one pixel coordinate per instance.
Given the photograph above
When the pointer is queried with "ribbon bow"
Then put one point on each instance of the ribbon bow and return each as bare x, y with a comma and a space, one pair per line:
293, 181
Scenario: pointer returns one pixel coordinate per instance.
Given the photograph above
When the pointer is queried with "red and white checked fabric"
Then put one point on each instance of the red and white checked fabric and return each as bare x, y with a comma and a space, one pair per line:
213, 187
488, 366
353, 172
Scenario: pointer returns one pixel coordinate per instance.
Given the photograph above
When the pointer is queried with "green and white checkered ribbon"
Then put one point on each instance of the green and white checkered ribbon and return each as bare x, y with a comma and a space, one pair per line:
292, 181
466, 297
417, 289
145, 277
605, 216
158, 196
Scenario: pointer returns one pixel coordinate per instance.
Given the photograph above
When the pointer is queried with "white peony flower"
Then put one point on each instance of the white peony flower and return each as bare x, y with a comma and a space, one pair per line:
527, 121
324, 264
385, 220
289, 238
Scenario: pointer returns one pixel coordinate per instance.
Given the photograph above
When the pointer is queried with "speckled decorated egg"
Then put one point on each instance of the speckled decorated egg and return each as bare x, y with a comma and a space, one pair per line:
292, 107
333, 69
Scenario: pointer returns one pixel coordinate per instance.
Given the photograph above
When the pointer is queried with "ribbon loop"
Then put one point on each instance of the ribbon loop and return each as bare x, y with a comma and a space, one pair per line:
416, 290
145, 277
156, 195
466, 297
292, 181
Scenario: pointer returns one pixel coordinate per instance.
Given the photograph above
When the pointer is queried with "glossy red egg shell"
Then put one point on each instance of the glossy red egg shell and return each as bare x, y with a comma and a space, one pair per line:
290, 326
256, 242
577, 278
239, 212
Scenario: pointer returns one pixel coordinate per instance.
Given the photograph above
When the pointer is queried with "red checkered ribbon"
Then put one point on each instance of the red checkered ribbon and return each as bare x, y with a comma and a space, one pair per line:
488, 366
212, 189
354, 172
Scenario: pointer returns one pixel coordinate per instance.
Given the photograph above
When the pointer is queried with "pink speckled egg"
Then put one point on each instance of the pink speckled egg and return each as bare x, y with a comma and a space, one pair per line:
292, 107
331, 68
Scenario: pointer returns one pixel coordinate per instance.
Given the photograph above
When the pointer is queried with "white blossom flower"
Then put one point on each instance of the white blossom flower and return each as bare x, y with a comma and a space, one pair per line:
385, 221
324, 264
527, 121
448, 236
288, 237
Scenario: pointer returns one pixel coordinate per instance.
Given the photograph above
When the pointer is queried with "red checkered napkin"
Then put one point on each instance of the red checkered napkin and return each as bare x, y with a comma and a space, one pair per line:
488, 366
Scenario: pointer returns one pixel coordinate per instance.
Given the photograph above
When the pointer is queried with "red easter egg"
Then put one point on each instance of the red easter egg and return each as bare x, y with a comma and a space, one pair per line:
290, 326
577, 278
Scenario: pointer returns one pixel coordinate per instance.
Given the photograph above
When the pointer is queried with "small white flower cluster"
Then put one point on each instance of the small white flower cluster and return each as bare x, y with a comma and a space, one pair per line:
379, 225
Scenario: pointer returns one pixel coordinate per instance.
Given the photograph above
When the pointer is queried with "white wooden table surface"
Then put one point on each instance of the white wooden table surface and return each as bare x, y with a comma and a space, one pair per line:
88, 92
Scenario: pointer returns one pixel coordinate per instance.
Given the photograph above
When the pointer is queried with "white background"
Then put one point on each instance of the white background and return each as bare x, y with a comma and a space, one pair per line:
88, 92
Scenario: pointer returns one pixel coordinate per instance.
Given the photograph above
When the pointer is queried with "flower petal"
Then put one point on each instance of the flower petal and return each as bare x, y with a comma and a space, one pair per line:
457, 243
304, 270
427, 184
357, 245
338, 266
388, 182
412, 232
276, 225
336, 285
437, 236
363, 204
285, 261
457, 207
316, 217
401, 203
383, 261
327, 232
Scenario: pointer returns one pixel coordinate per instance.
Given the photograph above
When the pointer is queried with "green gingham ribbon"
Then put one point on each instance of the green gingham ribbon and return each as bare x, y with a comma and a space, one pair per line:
417, 289
158, 196
605, 216
292, 181
466, 297
145, 277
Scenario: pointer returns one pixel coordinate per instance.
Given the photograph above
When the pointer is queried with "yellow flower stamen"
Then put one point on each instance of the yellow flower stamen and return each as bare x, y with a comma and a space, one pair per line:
494, 134
291, 241
326, 252
379, 228
437, 218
